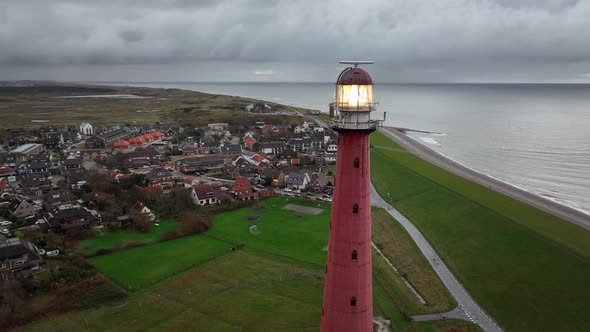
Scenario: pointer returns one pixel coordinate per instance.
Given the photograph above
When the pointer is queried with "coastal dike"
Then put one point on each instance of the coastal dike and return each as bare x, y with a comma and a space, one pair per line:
520, 256
564, 212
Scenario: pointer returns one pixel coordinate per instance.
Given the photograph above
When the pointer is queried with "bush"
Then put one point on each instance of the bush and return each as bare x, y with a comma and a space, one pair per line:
132, 244
170, 235
192, 223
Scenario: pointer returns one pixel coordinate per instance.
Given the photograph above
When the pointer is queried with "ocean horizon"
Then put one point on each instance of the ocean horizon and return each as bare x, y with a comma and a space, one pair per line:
531, 135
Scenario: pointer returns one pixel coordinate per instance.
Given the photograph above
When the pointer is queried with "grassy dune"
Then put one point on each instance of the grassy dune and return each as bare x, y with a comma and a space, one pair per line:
189, 108
527, 268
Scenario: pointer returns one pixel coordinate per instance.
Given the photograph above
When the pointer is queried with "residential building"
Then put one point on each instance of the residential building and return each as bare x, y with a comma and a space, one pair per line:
249, 143
76, 178
242, 190
140, 208
207, 195
24, 151
70, 219
71, 163
218, 126
140, 158
36, 184
86, 129
231, 149
160, 176
39, 166
318, 183
58, 198
21, 208
212, 163
274, 147
297, 181
106, 139
18, 258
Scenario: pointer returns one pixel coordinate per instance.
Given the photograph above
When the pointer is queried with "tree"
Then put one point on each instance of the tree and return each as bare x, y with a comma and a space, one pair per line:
12, 301
193, 223
179, 200
140, 222
101, 182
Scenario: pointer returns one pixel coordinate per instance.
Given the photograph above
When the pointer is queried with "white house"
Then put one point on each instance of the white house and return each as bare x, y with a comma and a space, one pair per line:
143, 210
297, 181
86, 128
206, 195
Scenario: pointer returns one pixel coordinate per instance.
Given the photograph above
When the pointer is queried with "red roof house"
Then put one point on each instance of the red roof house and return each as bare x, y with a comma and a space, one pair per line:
249, 142
242, 190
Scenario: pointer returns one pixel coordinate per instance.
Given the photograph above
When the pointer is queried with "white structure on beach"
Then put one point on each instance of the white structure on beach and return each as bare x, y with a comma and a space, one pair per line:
86, 129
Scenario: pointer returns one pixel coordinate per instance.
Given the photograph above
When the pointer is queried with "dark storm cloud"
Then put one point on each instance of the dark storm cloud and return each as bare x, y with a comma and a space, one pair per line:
414, 38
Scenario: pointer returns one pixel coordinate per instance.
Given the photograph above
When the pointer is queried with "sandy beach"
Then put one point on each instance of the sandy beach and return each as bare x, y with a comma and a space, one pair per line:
422, 151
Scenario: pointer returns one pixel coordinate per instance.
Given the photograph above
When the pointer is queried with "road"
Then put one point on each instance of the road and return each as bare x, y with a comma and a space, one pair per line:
472, 310
574, 216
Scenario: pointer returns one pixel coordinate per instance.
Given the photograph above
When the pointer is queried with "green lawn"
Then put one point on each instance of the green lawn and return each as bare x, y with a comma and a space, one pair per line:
234, 292
280, 232
239, 291
140, 267
112, 239
527, 268
274, 282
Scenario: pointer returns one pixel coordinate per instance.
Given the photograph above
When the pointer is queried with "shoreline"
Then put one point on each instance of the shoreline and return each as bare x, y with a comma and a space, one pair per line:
424, 152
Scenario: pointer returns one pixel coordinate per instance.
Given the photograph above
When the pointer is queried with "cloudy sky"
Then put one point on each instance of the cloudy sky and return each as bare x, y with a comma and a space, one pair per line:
291, 40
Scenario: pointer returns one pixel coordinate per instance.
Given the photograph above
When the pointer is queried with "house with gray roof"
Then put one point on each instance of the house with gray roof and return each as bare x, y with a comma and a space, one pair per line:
297, 181
18, 258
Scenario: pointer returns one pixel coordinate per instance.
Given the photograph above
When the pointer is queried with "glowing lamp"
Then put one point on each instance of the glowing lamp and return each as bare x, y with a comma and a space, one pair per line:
354, 90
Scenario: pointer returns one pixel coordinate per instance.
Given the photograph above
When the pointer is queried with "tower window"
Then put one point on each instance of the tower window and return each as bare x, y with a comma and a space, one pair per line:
354, 255
353, 302
357, 162
355, 208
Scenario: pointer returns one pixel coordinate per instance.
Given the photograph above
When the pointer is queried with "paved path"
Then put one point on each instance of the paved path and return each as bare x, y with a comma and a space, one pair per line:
456, 313
471, 309
572, 215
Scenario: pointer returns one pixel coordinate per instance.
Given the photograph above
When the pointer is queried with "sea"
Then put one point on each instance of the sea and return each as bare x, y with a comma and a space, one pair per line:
532, 136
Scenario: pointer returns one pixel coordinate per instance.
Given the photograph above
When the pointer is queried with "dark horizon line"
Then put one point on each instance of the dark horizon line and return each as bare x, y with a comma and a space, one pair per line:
298, 82
310, 82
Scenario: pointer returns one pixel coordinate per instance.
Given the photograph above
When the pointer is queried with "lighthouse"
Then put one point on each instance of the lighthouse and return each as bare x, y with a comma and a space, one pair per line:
348, 298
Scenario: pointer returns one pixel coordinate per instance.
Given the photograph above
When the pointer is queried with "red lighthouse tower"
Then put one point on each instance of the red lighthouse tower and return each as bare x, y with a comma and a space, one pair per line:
348, 298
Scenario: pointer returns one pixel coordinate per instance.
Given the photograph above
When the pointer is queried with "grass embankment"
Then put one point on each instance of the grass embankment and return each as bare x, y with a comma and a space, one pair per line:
527, 268
113, 239
139, 267
274, 282
397, 245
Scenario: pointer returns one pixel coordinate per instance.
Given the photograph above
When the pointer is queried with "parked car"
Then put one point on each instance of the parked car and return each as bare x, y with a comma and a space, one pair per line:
287, 190
5, 223
52, 253
4, 231
41, 252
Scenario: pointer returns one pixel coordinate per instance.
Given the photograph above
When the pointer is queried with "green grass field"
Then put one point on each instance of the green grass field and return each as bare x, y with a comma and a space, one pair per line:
527, 268
280, 232
111, 239
140, 267
273, 283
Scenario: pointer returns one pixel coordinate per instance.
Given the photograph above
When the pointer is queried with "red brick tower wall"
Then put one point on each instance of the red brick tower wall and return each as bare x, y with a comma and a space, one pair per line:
348, 296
